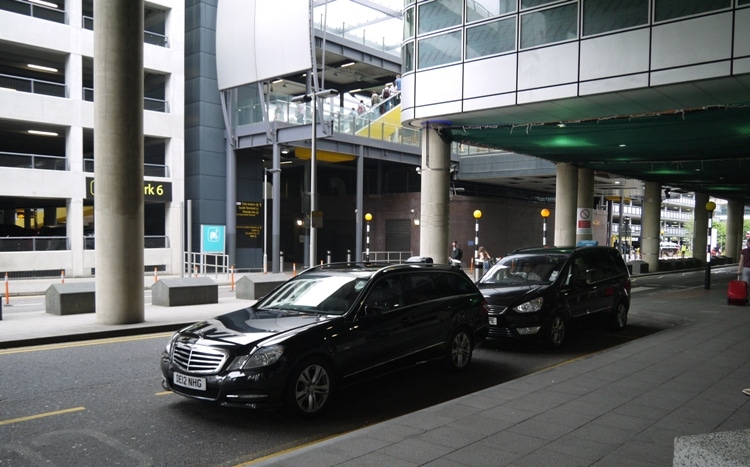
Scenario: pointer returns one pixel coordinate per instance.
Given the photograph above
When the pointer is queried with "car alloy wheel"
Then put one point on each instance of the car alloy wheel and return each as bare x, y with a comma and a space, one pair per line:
554, 335
459, 350
620, 316
311, 387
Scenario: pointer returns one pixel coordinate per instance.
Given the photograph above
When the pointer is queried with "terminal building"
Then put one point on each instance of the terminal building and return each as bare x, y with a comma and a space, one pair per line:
240, 153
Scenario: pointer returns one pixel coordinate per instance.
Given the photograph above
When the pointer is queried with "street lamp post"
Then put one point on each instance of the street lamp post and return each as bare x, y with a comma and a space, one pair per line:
323, 93
265, 216
477, 216
545, 214
368, 218
710, 207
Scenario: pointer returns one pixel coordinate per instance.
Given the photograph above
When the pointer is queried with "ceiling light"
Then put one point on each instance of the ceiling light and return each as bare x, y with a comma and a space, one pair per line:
42, 2
42, 133
347, 64
42, 68
623, 145
277, 81
355, 90
561, 125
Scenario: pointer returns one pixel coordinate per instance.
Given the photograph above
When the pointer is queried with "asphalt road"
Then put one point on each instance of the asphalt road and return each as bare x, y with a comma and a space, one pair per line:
100, 402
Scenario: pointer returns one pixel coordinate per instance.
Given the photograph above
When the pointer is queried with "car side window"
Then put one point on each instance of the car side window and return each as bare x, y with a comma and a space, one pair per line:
421, 287
386, 295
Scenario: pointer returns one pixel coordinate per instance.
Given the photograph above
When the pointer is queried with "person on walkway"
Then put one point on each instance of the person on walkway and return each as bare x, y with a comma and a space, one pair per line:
456, 254
484, 258
743, 269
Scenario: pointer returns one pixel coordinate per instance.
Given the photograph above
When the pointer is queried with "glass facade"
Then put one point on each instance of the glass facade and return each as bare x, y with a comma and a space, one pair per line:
438, 14
491, 38
549, 26
477, 10
439, 50
601, 16
672, 9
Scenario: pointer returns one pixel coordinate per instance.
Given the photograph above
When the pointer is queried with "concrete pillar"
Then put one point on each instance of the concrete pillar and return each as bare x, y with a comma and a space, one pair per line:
735, 237
700, 227
434, 216
566, 198
118, 173
585, 204
651, 225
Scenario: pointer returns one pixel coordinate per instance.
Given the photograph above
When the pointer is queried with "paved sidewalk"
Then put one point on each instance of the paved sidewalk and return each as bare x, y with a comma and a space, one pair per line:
670, 398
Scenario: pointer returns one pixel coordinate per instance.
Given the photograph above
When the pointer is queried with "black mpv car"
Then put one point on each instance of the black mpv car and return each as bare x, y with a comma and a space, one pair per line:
535, 292
328, 326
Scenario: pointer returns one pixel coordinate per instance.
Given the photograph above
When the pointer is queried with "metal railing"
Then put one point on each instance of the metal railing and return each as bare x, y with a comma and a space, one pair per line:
34, 244
149, 103
33, 161
388, 256
149, 242
201, 264
149, 170
149, 37
34, 10
33, 86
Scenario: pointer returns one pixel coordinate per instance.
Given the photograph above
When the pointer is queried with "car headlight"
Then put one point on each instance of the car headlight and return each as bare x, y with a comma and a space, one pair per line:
530, 306
264, 356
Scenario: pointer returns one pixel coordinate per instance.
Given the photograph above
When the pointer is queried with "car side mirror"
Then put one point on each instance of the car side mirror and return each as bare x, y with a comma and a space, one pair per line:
372, 311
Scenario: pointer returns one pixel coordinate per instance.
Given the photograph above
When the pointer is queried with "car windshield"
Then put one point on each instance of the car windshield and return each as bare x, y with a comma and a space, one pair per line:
524, 270
316, 293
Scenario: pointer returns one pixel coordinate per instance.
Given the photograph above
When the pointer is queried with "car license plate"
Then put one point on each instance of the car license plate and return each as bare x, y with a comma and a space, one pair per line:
493, 321
191, 382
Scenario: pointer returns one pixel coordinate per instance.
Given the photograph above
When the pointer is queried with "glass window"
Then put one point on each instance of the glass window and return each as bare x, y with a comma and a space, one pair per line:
439, 50
439, 14
484, 9
409, 23
407, 57
526, 4
548, 26
671, 9
491, 38
743, 2
611, 15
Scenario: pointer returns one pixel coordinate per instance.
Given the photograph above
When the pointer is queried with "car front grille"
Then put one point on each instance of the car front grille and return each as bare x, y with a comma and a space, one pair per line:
497, 309
196, 358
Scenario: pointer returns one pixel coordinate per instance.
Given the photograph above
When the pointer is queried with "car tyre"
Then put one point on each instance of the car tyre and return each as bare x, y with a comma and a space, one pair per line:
555, 331
459, 351
310, 388
619, 316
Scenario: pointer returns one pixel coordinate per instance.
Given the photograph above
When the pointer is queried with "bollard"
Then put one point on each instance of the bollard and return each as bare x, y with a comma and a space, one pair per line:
7, 293
328, 257
294, 269
232, 279
281, 261
62, 276
156, 276
348, 256
195, 271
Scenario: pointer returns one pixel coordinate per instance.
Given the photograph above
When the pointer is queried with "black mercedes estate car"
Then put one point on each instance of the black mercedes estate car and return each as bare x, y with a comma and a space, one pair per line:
326, 327
536, 292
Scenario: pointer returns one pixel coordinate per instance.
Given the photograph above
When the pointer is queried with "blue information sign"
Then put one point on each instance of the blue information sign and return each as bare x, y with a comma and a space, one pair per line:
212, 238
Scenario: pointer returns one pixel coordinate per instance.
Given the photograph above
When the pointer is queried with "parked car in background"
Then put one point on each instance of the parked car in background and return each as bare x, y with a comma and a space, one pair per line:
536, 292
326, 327
668, 248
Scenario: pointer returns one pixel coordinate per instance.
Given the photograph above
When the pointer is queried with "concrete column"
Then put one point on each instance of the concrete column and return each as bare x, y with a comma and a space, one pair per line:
585, 203
735, 237
700, 227
276, 211
434, 216
566, 198
118, 139
651, 225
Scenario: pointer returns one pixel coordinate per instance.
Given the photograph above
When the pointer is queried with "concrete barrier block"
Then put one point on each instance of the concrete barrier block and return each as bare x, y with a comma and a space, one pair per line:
184, 291
253, 286
70, 299
727, 448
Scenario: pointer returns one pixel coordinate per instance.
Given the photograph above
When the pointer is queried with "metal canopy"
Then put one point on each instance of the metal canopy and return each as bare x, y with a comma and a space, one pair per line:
701, 142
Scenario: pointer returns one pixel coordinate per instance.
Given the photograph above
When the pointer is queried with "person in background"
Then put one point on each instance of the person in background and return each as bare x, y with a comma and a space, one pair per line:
485, 259
743, 269
456, 254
